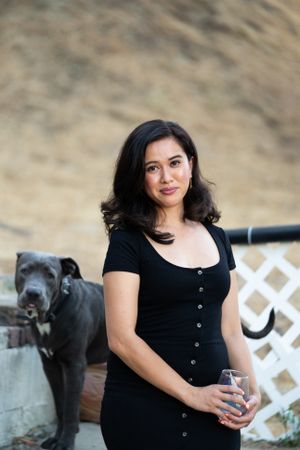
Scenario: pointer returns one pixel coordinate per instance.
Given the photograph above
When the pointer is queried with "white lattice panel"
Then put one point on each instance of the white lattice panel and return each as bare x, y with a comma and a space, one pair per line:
269, 276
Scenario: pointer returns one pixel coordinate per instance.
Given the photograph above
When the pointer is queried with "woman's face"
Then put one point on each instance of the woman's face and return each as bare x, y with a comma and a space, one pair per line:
167, 173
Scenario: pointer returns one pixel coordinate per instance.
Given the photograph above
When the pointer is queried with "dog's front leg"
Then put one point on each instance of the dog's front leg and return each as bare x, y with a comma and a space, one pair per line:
73, 383
54, 374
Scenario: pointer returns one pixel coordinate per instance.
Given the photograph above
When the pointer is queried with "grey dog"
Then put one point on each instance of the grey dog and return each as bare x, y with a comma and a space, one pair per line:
68, 321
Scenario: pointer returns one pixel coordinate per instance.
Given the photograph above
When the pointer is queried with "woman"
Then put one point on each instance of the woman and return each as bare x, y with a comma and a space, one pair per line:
171, 303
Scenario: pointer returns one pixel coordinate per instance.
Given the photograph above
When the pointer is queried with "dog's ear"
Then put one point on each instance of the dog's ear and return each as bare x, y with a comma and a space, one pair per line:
19, 254
70, 267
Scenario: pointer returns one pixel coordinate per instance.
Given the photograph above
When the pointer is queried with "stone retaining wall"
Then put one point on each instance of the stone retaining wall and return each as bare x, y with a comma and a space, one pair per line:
25, 397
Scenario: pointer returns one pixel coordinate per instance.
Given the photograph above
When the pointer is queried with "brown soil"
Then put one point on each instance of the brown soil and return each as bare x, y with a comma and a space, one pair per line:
77, 76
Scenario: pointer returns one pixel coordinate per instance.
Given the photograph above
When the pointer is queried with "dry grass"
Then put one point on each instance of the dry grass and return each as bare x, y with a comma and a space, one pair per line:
77, 76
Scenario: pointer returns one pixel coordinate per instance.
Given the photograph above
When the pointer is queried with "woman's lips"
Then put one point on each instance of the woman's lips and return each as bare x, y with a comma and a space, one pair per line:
168, 191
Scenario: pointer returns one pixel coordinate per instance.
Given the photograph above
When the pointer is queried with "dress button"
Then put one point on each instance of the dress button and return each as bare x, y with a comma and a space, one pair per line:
190, 380
196, 344
200, 306
193, 362
201, 289
200, 272
199, 325
184, 434
184, 415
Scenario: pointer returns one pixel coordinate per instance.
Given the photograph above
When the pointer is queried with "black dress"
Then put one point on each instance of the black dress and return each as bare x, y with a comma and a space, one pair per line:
179, 316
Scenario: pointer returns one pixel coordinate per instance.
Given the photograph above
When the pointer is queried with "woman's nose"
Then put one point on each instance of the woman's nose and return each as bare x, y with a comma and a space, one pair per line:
166, 176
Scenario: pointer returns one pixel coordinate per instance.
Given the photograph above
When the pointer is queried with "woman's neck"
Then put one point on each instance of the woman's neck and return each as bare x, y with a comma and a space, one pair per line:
170, 219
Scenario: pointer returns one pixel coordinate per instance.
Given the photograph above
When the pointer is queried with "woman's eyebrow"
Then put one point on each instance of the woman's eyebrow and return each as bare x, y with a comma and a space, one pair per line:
176, 156
170, 159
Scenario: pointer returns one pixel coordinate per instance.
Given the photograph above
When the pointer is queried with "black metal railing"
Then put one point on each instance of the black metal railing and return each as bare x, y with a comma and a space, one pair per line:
262, 235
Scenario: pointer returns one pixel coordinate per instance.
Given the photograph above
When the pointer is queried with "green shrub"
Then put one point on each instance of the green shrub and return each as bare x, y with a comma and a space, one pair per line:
291, 423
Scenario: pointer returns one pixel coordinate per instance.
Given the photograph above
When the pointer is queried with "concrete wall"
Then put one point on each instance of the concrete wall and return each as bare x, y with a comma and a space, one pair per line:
25, 398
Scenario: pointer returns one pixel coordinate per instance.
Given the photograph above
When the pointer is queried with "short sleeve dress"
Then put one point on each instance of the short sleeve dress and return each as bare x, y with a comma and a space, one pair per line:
179, 316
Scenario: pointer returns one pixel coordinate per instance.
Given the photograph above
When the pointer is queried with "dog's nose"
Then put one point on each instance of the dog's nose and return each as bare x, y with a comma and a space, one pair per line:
33, 292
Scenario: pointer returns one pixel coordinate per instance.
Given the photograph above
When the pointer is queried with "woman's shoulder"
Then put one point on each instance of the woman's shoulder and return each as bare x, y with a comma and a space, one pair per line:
218, 231
123, 252
126, 235
223, 237
216, 228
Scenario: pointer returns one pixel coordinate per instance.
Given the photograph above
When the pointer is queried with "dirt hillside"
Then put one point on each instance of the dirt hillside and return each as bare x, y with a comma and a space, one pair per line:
77, 75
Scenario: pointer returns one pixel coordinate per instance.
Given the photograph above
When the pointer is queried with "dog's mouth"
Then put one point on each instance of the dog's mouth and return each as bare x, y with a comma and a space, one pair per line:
35, 307
31, 310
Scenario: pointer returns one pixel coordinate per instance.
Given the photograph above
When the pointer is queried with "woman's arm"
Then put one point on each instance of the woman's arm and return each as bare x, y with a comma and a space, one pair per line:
121, 303
238, 351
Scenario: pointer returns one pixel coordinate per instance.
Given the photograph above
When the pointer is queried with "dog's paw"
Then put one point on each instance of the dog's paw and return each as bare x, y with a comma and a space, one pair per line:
49, 443
62, 446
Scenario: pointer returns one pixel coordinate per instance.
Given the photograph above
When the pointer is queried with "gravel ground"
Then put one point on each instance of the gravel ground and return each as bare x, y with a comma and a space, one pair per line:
90, 438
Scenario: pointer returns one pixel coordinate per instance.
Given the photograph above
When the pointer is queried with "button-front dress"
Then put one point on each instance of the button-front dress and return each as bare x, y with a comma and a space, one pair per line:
179, 317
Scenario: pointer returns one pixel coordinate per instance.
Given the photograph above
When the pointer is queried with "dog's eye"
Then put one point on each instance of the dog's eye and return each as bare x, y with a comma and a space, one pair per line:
24, 271
50, 275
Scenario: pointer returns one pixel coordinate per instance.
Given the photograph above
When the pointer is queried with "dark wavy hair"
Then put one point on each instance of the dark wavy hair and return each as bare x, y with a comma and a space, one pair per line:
128, 206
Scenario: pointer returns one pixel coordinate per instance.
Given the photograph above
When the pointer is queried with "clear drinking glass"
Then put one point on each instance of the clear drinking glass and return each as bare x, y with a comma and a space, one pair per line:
239, 379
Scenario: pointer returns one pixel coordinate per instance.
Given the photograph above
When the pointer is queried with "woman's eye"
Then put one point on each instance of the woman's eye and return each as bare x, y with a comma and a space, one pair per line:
151, 169
175, 162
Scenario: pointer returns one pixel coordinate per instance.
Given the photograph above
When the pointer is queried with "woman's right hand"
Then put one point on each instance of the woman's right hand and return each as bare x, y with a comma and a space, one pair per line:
212, 399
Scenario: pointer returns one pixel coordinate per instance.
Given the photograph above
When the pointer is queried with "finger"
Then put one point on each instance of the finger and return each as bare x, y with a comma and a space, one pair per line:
251, 404
230, 424
230, 389
253, 400
237, 420
243, 421
234, 399
233, 424
228, 409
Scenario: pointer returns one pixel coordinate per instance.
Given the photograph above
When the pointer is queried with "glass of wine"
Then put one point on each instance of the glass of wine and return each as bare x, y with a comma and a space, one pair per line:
239, 379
